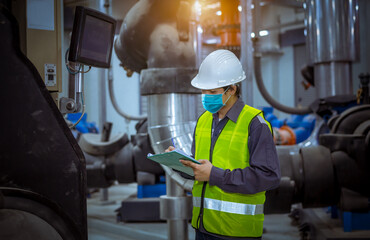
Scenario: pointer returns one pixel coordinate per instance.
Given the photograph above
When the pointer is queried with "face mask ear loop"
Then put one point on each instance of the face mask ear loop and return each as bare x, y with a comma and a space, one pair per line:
226, 89
228, 97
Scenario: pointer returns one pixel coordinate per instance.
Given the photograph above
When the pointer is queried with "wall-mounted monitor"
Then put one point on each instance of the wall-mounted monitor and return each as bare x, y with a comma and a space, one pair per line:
92, 38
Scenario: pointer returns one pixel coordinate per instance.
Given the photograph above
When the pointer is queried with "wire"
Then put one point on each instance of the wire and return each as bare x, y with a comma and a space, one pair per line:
72, 70
67, 64
87, 70
83, 111
83, 104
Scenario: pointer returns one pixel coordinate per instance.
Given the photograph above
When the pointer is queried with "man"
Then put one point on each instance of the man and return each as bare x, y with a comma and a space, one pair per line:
238, 157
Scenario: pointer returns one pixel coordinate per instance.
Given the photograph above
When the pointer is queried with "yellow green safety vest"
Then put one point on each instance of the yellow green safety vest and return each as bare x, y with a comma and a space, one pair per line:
223, 213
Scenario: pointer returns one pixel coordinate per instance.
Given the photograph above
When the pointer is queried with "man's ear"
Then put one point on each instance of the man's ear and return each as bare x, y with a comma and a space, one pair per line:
232, 89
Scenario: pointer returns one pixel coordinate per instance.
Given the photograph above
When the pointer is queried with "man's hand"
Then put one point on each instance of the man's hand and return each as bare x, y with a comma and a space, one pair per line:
202, 171
169, 149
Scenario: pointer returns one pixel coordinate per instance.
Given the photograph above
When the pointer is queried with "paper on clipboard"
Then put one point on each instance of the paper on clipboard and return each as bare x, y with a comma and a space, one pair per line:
171, 159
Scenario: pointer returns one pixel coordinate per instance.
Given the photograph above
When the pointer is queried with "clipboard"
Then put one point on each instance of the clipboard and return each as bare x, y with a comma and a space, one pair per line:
171, 159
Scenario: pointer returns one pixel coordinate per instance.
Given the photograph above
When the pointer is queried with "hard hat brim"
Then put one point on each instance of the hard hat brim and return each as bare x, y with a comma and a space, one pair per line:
198, 84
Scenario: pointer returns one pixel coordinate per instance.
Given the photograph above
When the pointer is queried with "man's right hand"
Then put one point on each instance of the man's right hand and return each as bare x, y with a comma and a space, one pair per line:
169, 149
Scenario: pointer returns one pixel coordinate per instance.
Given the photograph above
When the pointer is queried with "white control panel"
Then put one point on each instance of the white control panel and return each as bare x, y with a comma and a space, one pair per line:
50, 75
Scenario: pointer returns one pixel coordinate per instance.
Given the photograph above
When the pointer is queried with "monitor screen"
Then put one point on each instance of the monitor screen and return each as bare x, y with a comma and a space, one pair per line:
92, 38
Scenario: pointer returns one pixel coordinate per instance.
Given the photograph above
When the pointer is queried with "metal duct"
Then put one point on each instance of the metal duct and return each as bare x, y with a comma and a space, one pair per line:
156, 35
152, 36
332, 43
172, 116
173, 108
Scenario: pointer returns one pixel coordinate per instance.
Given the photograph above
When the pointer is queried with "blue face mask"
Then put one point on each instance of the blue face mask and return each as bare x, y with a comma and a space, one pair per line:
213, 102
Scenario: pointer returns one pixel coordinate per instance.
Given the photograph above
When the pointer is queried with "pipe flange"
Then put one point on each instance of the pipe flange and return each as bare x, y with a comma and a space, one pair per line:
167, 80
319, 188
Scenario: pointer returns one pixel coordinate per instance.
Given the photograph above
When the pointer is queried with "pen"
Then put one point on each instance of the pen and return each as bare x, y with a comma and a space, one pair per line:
173, 143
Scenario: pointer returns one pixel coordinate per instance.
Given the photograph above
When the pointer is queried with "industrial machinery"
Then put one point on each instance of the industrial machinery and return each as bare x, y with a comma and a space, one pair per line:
43, 168
317, 172
329, 168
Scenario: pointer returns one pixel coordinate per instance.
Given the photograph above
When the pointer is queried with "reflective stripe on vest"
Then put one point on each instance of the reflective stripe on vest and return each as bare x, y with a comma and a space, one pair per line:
224, 213
229, 207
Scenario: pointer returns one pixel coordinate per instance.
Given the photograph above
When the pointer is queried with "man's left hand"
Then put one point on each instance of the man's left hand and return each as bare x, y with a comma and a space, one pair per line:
201, 171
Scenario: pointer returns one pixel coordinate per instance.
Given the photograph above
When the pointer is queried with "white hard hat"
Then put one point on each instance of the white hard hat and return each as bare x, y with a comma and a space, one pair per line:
219, 69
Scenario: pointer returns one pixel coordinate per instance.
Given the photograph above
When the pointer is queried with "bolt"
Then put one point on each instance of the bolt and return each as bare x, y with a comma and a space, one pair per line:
70, 106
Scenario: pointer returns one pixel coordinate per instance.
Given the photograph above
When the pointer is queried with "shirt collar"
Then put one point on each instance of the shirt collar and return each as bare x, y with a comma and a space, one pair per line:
234, 111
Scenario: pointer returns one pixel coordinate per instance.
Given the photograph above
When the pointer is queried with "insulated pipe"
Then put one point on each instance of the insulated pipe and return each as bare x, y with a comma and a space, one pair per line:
263, 90
154, 35
187, 185
151, 36
175, 207
246, 51
333, 44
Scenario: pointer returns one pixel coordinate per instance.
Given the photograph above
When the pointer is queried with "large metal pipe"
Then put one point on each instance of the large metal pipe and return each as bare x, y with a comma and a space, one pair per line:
150, 36
246, 50
332, 44
172, 116
333, 78
155, 35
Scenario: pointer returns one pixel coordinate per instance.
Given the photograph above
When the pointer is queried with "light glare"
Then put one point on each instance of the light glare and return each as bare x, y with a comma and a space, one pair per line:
264, 33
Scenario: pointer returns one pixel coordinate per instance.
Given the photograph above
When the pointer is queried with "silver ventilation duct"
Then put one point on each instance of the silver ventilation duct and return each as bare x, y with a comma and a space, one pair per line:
155, 35
332, 44
172, 116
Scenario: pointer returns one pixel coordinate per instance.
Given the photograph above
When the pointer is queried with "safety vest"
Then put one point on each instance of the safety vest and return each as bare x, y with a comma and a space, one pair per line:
223, 213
